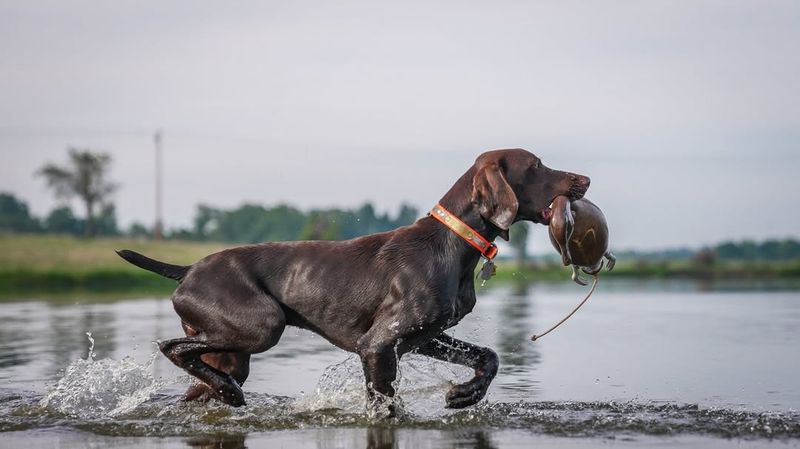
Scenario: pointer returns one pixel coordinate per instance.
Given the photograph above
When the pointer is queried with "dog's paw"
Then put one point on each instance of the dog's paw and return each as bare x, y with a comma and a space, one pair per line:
464, 395
231, 394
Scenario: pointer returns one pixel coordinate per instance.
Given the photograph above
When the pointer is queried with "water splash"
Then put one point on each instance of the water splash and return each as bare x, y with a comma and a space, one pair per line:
421, 383
340, 387
91, 354
93, 388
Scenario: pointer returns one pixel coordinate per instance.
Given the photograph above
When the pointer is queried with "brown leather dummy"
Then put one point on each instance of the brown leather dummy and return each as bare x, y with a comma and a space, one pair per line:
579, 232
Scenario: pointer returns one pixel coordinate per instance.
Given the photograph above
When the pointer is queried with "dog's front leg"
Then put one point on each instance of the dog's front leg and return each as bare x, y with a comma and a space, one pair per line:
380, 370
483, 360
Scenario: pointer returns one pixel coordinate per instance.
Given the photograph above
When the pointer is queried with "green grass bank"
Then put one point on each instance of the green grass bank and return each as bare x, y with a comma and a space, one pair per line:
31, 264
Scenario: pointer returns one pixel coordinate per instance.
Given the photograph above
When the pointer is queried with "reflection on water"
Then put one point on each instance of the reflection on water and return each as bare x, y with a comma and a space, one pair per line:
381, 438
377, 437
636, 360
217, 442
371, 437
517, 355
387, 438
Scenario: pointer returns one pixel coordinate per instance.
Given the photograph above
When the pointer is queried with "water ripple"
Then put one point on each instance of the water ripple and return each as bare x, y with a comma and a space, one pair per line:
165, 415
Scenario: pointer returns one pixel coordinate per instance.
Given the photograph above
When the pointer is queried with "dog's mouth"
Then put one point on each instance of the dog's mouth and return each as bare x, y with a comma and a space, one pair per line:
577, 192
545, 215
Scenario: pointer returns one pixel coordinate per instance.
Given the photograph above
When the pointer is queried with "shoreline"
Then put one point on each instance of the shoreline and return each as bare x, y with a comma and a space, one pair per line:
67, 282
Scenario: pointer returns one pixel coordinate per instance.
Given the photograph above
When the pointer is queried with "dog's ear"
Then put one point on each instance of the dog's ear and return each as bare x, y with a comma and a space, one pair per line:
496, 201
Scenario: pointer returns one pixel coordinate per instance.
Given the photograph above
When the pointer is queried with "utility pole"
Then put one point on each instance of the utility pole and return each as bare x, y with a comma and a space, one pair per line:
158, 227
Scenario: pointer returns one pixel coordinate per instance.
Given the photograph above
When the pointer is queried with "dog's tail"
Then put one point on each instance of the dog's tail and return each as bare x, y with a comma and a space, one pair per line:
177, 272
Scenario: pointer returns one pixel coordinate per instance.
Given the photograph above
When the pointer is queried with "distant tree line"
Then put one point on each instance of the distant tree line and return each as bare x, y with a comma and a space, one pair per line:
749, 250
787, 249
16, 217
249, 223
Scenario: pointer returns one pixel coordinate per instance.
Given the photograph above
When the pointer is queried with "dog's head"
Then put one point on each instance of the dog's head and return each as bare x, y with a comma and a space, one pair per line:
513, 185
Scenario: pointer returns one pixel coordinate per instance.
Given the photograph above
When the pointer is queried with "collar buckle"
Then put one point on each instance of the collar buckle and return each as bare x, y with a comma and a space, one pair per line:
490, 252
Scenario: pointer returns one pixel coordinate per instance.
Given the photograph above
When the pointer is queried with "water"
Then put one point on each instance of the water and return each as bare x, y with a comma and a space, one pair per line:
668, 365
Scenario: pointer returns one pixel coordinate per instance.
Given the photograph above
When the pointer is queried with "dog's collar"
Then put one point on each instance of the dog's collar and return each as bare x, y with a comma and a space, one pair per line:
463, 230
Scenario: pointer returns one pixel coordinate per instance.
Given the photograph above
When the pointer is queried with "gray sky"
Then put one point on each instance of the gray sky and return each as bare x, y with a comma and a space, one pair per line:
685, 114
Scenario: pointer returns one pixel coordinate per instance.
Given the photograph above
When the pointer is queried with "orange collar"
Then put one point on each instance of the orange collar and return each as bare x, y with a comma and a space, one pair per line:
463, 230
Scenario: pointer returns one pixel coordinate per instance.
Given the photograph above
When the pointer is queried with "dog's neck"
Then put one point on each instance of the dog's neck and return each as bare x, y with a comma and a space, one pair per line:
458, 200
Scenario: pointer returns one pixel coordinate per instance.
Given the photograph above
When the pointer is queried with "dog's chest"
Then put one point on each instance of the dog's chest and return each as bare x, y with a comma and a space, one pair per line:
462, 305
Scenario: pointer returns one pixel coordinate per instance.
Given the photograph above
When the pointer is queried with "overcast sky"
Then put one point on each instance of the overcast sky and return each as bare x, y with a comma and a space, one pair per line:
686, 115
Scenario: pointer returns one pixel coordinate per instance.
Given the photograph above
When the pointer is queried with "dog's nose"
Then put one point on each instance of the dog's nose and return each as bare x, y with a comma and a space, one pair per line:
580, 181
578, 186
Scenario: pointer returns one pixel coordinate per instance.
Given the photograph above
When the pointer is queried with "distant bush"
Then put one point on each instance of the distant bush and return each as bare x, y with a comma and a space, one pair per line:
15, 216
249, 223
788, 249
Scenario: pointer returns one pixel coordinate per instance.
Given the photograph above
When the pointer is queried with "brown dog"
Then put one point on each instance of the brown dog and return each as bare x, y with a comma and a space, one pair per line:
379, 296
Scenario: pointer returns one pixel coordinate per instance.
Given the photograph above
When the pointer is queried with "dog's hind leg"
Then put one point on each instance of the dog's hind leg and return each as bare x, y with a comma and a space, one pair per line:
220, 340
483, 360
186, 353
237, 364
